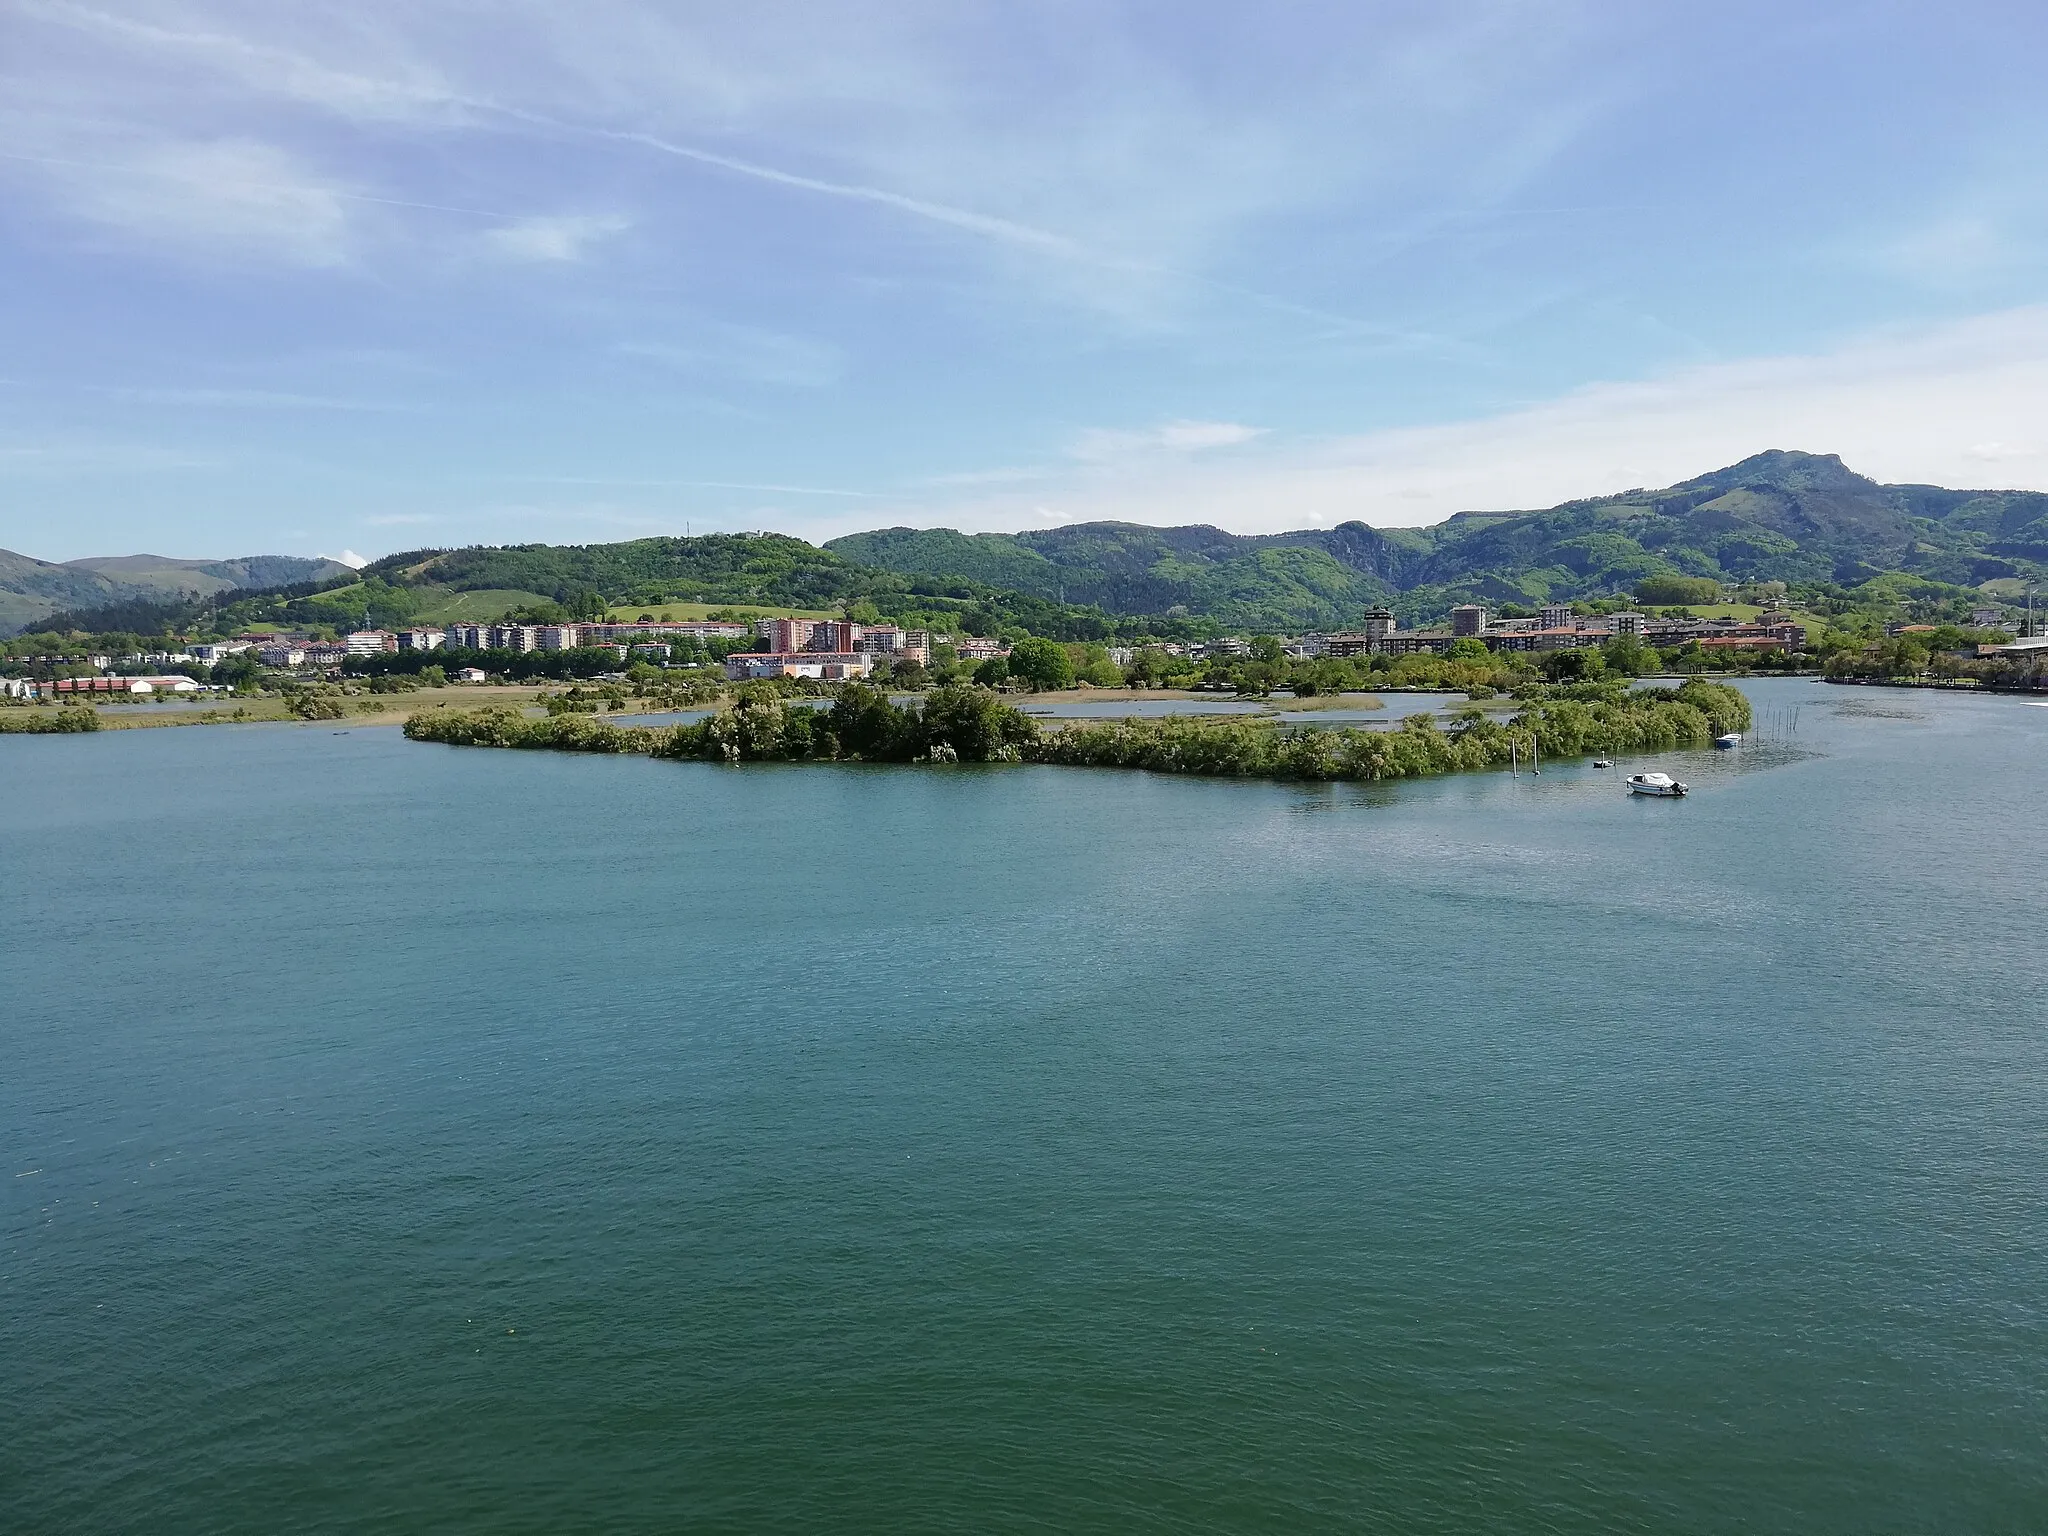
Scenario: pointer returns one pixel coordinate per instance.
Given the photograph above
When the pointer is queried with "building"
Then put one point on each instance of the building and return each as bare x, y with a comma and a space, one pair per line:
210, 654
967, 648
282, 655
1377, 624
1468, 620
1226, 648
889, 640
557, 637
422, 639
697, 629
514, 637
141, 685
371, 642
1630, 624
469, 637
471, 675
1556, 616
1987, 618
827, 666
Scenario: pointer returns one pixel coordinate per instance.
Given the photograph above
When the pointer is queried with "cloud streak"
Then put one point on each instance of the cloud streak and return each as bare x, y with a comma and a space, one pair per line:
1962, 404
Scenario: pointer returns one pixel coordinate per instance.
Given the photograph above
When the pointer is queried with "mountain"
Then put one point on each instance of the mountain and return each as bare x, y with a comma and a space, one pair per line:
1778, 516
32, 589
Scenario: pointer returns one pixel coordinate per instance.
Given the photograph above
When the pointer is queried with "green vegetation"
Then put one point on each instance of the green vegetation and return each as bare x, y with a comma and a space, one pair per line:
1677, 589
1568, 722
48, 722
863, 725
973, 725
1834, 541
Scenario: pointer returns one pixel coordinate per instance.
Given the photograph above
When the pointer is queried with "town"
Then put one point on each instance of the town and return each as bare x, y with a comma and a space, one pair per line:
827, 650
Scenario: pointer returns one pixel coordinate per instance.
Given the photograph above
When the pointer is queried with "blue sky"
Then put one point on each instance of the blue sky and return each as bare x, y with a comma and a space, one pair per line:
282, 277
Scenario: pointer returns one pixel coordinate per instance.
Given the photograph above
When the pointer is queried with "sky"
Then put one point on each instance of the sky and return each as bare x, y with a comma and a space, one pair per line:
299, 278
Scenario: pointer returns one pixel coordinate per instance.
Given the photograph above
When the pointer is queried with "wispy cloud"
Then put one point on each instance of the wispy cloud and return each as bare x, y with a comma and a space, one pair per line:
1958, 404
243, 399
718, 348
1177, 437
559, 237
227, 198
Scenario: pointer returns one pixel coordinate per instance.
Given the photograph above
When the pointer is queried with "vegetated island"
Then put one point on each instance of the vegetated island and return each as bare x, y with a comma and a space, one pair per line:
974, 725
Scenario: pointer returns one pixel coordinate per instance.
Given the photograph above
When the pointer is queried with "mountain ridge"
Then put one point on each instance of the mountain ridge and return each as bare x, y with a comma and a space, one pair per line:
32, 589
1777, 515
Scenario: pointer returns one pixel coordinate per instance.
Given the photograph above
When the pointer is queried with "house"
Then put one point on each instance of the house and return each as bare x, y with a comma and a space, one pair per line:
827, 666
471, 675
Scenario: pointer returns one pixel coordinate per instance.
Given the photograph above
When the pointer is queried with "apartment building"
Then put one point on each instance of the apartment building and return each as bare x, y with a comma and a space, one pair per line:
828, 666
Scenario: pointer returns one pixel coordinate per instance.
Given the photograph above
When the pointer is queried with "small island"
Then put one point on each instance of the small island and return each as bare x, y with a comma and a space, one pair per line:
975, 725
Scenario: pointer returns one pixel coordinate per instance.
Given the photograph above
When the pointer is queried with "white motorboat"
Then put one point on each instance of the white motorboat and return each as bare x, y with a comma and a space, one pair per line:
1654, 784
1732, 739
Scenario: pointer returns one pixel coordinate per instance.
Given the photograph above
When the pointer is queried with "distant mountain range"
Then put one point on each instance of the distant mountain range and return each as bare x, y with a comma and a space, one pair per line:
1778, 516
32, 589
1793, 517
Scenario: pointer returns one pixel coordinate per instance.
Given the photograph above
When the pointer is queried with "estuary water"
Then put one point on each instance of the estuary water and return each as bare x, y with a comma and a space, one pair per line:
401, 1137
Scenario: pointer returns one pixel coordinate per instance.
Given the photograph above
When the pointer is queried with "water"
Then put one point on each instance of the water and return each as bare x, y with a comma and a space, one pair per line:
402, 1137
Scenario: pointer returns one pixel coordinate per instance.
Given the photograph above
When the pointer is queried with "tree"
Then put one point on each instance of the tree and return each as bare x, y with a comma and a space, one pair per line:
1468, 649
1042, 663
1582, 666
1627, 656
992, 673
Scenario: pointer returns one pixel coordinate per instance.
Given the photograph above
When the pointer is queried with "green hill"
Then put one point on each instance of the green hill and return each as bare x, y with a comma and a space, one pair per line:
32, 589
1779, 516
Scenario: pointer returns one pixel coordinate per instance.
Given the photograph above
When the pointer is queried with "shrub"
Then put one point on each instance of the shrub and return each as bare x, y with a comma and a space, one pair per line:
36, 722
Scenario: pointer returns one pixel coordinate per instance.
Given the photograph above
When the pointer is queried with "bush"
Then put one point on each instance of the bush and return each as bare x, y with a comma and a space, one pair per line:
316, 706
36, 722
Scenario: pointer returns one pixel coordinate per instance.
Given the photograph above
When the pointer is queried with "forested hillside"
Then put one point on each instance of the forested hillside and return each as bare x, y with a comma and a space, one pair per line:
1779, 516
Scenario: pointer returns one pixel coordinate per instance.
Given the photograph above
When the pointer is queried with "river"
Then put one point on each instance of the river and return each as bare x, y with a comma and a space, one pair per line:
409, 1137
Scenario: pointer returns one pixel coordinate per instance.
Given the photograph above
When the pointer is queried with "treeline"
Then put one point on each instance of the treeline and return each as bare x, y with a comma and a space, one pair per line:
43, 722
956, 724
1568, 722
969, 725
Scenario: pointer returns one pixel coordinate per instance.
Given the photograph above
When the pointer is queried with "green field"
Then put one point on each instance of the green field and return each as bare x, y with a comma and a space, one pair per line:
444, 607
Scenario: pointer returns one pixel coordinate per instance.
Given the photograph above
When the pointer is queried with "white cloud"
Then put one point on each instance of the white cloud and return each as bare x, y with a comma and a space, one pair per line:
231, 198
560, 237
1100, 443
1080, 156
1940, 405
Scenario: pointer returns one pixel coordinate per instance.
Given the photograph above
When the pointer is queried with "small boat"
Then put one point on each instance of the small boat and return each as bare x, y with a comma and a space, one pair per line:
1602, 762
1732, 739
1654, 784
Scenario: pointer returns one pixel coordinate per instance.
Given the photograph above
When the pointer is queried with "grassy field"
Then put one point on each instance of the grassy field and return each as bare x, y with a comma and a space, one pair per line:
475, 607
362, 709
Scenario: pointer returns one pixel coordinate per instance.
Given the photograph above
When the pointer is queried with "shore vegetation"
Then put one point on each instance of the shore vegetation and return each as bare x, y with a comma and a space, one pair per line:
974, 725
